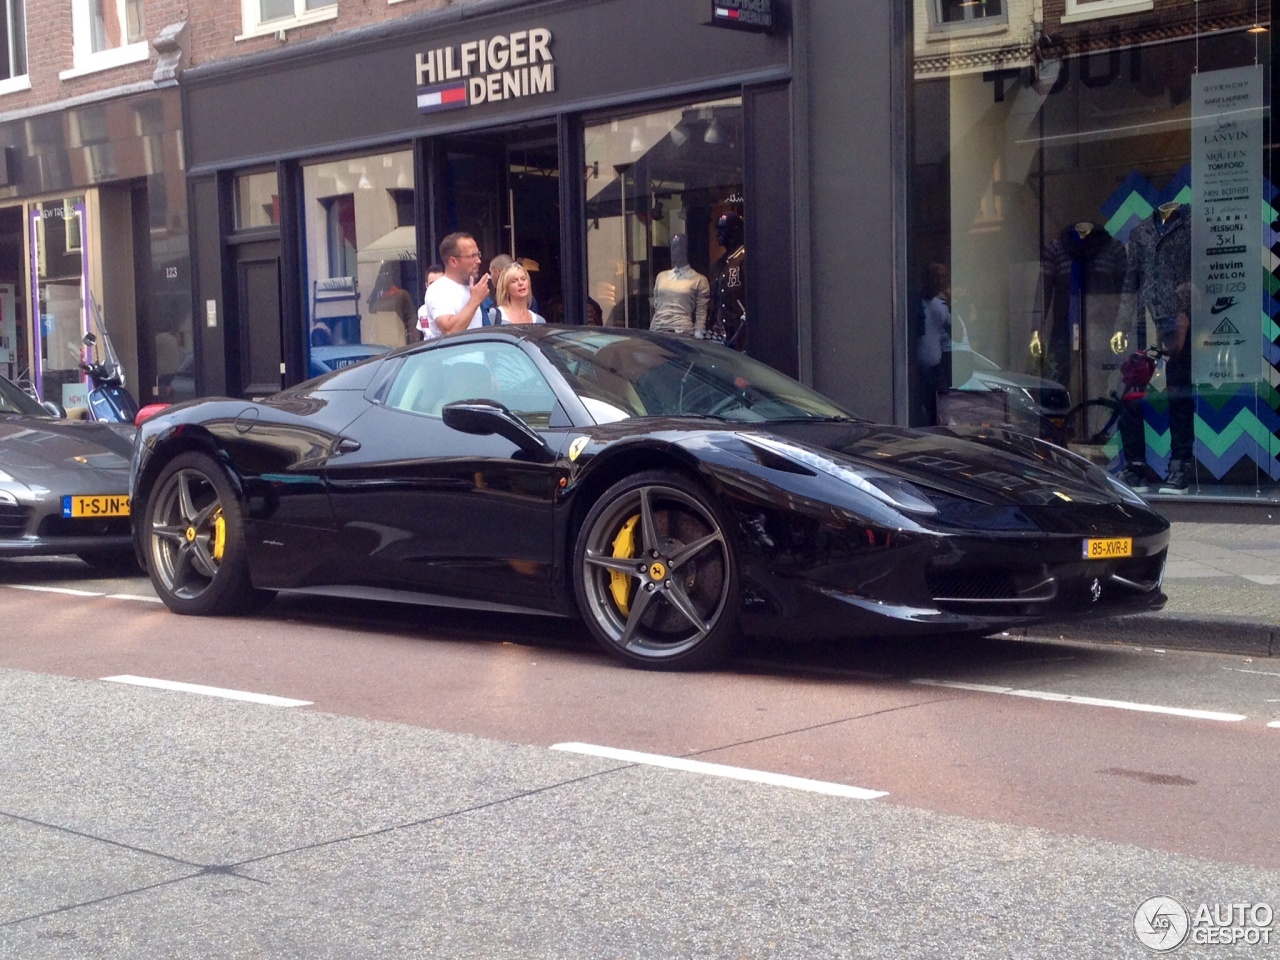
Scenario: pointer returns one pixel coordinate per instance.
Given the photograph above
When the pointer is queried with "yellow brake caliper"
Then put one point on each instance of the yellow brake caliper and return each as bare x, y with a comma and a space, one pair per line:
219, 535
624, 545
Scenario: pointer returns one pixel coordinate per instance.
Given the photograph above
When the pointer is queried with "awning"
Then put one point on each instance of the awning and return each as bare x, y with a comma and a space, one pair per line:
400, 244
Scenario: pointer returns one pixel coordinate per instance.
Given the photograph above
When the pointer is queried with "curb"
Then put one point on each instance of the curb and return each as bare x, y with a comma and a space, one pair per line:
1238, 636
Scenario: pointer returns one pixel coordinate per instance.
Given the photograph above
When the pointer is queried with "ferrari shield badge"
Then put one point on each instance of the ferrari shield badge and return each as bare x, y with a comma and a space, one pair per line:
578, 446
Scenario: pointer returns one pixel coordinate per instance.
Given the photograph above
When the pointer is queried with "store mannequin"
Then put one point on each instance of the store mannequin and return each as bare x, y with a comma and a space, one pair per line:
1082, 273
728, 284
680, 295
1157, 291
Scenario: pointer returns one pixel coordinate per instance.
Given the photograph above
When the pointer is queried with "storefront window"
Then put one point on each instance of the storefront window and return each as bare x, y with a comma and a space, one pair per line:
59, 297
363, 281
664, 209
1089, 237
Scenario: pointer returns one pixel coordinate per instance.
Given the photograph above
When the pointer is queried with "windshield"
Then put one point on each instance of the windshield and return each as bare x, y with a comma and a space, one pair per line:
14, 400
621, 375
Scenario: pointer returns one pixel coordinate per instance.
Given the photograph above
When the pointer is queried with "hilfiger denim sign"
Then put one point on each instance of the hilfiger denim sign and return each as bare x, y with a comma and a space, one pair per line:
510, 65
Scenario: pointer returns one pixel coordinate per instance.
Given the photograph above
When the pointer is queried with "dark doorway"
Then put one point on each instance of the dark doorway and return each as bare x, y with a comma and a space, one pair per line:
503, 187
260, 318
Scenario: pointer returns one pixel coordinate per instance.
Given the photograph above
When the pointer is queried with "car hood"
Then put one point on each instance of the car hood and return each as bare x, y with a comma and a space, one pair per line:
987, 465
33, 444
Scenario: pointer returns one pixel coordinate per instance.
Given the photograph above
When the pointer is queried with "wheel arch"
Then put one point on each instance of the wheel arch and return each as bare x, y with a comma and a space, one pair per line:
606, 469
192, 439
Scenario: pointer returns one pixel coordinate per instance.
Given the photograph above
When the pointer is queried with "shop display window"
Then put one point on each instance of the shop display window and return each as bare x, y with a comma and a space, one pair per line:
664, 220
362, 273
1104, 199
59, 297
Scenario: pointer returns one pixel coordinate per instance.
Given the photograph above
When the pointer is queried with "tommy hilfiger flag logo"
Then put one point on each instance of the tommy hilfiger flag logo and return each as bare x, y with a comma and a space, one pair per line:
743, 14
728, 14
444, 96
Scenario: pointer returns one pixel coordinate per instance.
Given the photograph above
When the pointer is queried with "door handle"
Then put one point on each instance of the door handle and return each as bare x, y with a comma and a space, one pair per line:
346, 445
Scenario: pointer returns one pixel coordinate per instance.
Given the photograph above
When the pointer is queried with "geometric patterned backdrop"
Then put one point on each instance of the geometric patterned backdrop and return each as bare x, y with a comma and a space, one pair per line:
1236, 425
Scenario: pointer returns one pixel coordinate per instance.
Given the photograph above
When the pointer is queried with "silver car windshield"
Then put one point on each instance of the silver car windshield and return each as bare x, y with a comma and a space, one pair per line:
619, 375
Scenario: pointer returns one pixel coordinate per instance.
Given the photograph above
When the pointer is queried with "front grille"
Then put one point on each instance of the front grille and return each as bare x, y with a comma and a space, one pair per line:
991, 590
13, 519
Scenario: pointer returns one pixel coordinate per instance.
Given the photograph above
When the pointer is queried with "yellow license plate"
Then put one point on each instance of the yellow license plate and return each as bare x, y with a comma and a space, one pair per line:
1108, 549
95, 506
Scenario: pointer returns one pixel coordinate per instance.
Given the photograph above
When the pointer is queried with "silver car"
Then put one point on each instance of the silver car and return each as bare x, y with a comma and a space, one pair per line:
64, 484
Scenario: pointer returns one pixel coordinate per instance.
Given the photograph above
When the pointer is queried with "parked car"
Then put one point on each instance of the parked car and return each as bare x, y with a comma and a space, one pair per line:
64, 484
671, 492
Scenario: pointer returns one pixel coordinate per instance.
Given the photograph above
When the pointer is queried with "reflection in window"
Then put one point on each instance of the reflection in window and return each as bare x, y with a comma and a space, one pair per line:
273, 12
664, 211
968, 11
1055, 204
257, 200
361, 250
501, 372
13, 42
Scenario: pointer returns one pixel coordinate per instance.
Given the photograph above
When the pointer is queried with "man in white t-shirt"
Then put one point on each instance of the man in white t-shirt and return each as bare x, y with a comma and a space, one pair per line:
453, 302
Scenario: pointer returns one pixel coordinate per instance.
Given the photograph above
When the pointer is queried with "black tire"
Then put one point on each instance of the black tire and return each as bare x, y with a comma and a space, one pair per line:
674, 602
196, 568
121, 560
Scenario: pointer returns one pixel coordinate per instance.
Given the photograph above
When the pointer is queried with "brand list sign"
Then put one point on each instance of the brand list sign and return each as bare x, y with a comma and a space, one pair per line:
1226, 225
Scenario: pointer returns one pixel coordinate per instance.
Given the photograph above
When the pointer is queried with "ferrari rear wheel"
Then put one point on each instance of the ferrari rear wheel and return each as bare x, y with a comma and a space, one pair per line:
655, 573
196, 548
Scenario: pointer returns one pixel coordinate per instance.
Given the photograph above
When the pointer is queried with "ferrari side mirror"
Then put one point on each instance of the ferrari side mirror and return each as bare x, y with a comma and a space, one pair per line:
54, 409
484, 418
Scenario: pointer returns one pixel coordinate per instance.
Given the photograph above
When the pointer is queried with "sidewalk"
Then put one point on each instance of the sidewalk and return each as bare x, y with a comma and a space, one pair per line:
1223, 583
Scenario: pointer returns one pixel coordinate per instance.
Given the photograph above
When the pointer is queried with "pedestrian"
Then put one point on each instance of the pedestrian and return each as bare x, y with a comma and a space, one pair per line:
453, 301
434, 273
513, 297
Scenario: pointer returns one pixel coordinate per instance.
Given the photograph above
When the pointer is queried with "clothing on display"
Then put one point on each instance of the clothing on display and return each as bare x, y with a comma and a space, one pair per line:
1157, 287
728, 282
681, 297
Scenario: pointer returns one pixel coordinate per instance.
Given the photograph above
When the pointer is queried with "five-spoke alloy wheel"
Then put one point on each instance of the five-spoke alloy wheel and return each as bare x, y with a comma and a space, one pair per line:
195, 540
655, 573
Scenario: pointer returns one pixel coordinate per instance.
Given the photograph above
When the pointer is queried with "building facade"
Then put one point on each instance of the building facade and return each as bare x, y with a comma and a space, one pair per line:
939, 211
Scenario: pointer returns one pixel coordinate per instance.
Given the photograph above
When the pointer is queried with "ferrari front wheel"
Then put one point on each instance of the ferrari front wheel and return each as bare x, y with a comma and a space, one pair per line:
196, 552
655, 573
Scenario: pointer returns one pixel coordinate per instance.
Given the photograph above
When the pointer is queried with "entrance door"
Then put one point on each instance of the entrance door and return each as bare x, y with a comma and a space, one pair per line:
503, 188
260, 318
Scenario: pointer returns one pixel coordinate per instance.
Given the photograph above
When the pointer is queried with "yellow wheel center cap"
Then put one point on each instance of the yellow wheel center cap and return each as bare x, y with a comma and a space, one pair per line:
191, 534
657, 572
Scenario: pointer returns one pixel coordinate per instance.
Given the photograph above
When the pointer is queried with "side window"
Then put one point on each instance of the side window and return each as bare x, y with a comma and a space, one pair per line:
482, 371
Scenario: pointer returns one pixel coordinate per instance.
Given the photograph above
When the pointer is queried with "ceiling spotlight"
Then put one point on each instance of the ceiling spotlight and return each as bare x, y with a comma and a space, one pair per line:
1257, 28
715, 132
637, 145
679, 134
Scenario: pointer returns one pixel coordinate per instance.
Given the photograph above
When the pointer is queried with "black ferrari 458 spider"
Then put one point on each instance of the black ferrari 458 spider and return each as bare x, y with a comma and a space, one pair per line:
672, 493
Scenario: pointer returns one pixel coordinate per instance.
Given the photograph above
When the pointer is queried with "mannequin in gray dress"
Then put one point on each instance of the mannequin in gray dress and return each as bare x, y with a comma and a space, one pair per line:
680, 295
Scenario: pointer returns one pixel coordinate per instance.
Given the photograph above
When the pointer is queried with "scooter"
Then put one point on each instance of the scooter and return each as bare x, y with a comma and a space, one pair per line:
108, 398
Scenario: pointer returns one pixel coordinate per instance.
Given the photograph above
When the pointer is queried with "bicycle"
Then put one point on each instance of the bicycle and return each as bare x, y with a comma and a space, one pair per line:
1136, 372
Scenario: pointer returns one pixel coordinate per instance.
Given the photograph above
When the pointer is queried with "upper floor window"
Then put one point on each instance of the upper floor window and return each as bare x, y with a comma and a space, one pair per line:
949, 12
106, 33
1089, 9
267, 16
13, 42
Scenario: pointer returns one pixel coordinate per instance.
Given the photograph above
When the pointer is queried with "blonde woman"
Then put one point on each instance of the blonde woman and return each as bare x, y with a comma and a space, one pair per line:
513, 296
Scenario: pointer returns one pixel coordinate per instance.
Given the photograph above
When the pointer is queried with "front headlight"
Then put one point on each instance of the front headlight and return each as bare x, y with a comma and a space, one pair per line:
896, 492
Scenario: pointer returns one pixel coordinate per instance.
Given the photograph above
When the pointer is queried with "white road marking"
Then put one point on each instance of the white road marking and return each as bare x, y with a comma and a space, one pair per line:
1261, 673
262, 698
1086, 701
133, 596
719, 770
65, 590
1275, 724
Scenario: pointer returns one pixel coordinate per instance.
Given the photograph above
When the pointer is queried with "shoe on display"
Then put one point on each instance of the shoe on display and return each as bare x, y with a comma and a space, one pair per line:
1133, 478
1179, 478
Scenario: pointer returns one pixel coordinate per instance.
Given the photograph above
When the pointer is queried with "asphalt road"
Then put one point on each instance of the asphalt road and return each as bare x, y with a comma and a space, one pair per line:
1002, 797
